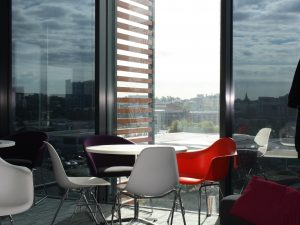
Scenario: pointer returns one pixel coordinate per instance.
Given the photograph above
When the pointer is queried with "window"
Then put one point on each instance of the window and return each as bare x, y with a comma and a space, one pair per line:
265, 54
53, 48
187, 72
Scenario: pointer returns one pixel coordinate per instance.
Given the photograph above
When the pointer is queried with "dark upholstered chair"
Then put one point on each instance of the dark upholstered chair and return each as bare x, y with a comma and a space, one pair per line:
108, 165
28, 151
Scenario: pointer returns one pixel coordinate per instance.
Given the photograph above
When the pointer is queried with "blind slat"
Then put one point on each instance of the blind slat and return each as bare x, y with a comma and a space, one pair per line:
132, 28
134, 8
134, 100
135, 19
134, 90
133, 110
143, 2
135, 49
140, 139
134, 59
134, 130
134, 69
134, 79
134, 39
133, 120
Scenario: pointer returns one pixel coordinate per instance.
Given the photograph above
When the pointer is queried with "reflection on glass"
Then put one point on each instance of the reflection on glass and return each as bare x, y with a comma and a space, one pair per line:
53, 71
265, 54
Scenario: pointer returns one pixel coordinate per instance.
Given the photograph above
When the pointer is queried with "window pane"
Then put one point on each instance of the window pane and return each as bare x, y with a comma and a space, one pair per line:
187, 78
265, 54
53, 71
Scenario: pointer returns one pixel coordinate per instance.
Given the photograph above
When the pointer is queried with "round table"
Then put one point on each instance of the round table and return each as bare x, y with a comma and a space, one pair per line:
6, 143
128, 149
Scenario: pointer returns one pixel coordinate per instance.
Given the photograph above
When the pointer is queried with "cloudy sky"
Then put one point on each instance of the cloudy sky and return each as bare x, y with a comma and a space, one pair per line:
266, 45
56, 34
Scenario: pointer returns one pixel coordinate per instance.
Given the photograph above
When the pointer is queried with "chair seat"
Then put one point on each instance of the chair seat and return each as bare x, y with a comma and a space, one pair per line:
189, 181
114, 171
81, 182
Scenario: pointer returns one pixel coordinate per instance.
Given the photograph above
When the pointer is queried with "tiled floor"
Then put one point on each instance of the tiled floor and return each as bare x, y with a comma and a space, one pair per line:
42, 215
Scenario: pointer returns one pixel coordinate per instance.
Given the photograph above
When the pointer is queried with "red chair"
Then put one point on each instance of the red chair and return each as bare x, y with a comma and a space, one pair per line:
206, 167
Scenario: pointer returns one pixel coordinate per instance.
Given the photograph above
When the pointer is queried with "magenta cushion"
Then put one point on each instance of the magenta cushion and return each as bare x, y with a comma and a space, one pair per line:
265, 202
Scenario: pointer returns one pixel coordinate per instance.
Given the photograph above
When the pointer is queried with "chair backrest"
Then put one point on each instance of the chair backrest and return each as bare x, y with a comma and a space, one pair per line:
155, 172
16, 189
219, 168
262, 139
103, 160
197, 163
58, 169
29, 146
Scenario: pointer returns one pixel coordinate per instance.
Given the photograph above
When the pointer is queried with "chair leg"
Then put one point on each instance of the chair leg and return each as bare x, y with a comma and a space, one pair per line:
11, 220
206, 201
44, 188
173, 207
98, 207
77, 205
181, 206
89, 207
116, 207
113, 209
60, 205
199, 206
119, 208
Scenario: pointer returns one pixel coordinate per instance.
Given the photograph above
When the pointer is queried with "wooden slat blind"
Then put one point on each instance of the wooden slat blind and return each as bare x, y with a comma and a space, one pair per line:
135, 69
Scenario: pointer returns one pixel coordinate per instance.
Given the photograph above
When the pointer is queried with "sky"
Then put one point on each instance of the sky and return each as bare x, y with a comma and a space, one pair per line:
266, 45
187, 48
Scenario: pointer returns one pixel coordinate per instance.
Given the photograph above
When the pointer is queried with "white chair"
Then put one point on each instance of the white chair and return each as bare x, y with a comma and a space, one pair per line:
262, 140
82, 184
248, 158
155, 175
16, 189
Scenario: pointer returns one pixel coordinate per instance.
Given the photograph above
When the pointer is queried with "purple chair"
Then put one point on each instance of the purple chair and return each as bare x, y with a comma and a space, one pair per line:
108, 165
28, 151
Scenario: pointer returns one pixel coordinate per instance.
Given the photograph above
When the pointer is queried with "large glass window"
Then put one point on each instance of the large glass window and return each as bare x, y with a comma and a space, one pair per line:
266, 50
53, 48
187, 77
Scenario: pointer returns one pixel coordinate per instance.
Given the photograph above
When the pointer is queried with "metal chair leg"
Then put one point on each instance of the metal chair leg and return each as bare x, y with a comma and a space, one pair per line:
11, 220
60, 205
181, 207
173, 207
199, 206
98, 207
89, 207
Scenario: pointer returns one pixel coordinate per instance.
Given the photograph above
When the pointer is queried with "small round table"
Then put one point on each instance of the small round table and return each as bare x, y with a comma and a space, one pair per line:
6, 143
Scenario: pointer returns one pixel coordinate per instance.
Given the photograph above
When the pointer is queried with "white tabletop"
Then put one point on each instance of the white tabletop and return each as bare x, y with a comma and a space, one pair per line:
127, 149
6, 143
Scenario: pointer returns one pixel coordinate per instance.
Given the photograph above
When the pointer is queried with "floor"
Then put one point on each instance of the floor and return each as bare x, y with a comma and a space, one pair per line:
42, 214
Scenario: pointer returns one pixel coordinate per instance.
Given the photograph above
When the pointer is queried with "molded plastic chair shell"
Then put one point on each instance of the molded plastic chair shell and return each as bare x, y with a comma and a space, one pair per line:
16, 189
79, 183
70, 182
155, 172
196, 166
206, 167
262, 140
108, 165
